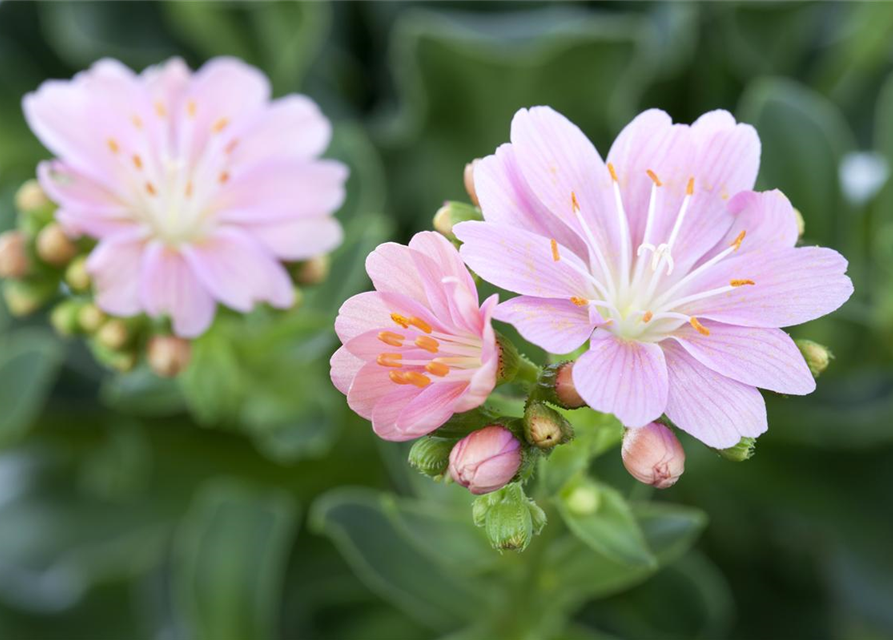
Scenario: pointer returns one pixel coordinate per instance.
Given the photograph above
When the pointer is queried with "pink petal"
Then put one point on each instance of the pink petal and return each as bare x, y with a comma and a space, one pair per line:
558, 160
371, 384
716, 410
344, 368
372, 310
483, 381
388, 409
291, 127
238, 272
766, 218
430, 409
765, 358
442, 252
507, 200
168, 286
556, 325
282, 190
792, 286
521, 261
728, 153
626, 378
298, 239
115, 266
392, 269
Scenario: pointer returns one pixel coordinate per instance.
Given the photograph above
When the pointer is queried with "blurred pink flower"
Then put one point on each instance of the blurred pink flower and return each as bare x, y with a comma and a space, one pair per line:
485, 460
679, 285
196, 185
420, 348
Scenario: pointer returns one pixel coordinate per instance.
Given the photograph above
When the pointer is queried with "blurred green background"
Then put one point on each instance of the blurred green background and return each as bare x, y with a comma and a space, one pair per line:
248, 503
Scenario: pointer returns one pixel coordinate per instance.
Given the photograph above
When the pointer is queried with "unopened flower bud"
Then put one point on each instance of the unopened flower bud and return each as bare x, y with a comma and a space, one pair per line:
485, 460
556, 385
120, 361
91, 318
468, 177
451, 214
801, 223
64, 317
168, 356
30, 197
653, 455
544, 427
431, 456
114, 334
24, 297
313, 271
14, 261
76, 275
742, 451
509, 518
817, 356
54, 247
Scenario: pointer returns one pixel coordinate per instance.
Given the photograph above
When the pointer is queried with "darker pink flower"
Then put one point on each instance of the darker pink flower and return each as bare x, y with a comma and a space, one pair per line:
196, 185
662, 259
420, 348
485, 460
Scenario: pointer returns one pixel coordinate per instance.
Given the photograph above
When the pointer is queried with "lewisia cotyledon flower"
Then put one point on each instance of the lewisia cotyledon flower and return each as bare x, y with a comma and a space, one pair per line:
420, 348
662, 258
196, 185
486, 459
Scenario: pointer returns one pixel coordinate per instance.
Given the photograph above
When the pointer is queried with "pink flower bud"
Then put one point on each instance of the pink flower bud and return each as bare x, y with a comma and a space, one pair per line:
485, 460
565, 388
14, 262
468, 177
652, 454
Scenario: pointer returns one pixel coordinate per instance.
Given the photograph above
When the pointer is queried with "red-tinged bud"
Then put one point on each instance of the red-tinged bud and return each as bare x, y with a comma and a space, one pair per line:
54, 247
168, 356
486, 460
313, 271
565, 389
653, 455
14, 261
468, 176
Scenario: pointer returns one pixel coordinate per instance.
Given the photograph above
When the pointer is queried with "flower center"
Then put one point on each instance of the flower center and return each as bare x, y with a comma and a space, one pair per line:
168, 184
420, 352
639, 301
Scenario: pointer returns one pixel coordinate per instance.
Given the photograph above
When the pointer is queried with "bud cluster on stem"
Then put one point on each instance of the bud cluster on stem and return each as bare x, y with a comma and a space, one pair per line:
509, 518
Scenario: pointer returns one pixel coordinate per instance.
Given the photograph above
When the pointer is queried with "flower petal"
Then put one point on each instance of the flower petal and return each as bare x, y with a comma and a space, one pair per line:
298, 239
168, 286
387, 410
372, 310
238, 272
392, 269
114, 266
626, 378
556, 325
344, 368
765, 358
430, 409
715, 409
792, 286
522, 262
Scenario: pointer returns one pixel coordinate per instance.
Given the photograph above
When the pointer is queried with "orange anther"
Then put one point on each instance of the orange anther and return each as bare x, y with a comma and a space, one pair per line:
427, 343
555, 255
647, 317
389, 360
654, 178
612, 172
690, 189
737, 242
704, 331
420, 324
137, 161
580, 302
391, 338
150, 188
418, 379
740, 283
437, 368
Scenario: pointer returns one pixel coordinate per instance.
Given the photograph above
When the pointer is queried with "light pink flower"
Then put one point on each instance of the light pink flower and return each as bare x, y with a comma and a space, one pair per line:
196, 185
653, 455
679, 285
485, 460
420, 348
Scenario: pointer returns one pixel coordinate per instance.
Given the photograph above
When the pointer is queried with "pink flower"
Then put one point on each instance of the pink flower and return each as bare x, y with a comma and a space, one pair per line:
653, 455
196, 185
485, 460
679, 285
420, 348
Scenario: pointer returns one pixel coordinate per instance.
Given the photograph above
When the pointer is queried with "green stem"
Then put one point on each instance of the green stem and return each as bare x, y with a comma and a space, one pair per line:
528, 371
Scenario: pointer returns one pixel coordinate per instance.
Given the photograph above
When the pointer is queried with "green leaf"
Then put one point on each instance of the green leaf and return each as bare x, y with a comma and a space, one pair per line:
29, 363
232, 549
670, 529
599, 516
804, 137
143, 393
213, 382
358, 522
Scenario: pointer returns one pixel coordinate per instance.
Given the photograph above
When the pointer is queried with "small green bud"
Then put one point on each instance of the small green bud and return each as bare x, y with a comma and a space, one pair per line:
54, 247
509, 360
24, 297
76, 276
451, 214
312, 271
544, 427
64, 317
742, 451
583, 499
30, 197
114, 334
817, 356
431, 455
801, 223
91, 318
509, 518
120, 361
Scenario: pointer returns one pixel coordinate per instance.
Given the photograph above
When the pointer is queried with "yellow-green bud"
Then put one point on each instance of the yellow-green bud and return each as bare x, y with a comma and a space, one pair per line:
64, 317
451, 214
509, 518
114, 334
54, 246
76, 275
168, 356
30, 197
801, 223
742, 451
431, 455
120, 361
24, 297
817, 356
313, 271
91, 318
544, 427
14, 260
